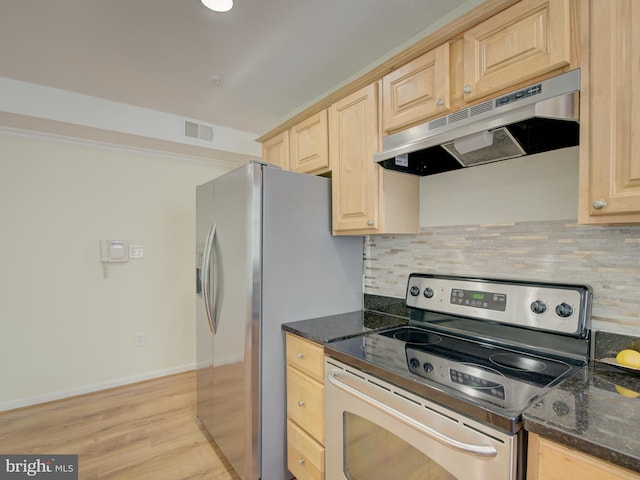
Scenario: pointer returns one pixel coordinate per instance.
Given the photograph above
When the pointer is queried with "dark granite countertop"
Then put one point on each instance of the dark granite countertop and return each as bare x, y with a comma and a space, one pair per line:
379, 313
337, 327
597, 410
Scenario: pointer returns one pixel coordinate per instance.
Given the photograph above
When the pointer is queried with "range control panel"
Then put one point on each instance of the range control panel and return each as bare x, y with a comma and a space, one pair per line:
558, 308
472, 298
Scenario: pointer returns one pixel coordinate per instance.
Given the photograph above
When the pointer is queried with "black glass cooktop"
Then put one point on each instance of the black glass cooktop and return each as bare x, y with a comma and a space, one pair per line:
484, 380
518, 365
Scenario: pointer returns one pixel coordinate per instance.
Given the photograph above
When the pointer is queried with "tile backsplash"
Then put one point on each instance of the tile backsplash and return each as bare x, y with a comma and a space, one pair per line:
606, 258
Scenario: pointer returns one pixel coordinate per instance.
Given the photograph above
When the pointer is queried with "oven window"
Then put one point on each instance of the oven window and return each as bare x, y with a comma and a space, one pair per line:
373, 453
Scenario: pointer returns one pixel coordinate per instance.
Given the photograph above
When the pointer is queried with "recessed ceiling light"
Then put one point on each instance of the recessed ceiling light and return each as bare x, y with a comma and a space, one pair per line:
218, 5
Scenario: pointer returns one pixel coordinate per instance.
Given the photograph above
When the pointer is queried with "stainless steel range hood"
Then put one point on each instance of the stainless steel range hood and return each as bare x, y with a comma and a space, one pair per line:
535, 119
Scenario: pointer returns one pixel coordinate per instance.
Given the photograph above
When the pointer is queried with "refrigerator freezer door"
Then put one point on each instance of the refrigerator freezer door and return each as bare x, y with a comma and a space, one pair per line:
204, 331
236, 203
230, 389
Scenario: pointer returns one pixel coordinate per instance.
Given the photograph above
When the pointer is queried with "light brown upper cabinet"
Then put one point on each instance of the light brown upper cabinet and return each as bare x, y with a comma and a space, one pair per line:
366, 198
610, 115
309, 145
416, 91
523, 42
528, 39
276, 150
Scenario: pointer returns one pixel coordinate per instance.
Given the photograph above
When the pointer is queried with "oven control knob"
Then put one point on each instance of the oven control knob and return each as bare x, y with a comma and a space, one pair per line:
414, 362
428, 292
564, 310
427, 367
538, 307
414, 291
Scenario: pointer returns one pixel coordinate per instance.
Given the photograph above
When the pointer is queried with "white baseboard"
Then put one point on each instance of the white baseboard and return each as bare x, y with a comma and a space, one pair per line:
49, 397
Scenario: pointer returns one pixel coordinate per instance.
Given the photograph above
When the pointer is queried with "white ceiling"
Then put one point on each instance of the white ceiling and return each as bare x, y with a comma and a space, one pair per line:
274, 57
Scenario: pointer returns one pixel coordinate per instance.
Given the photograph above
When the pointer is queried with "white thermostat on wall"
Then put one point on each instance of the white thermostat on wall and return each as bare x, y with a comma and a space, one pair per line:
114, 251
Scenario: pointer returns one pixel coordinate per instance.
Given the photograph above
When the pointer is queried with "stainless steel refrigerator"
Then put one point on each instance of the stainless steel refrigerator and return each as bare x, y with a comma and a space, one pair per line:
264, 256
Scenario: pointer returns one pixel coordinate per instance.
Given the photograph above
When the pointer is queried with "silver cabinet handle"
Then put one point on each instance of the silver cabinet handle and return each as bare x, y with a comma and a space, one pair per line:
479, 450
300, 355
467, 89
205, 272
439, 102
599, 204
301, 403
300, 461
369, 223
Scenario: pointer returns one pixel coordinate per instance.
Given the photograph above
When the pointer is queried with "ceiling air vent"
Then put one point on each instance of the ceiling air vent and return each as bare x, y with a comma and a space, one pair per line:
199, 131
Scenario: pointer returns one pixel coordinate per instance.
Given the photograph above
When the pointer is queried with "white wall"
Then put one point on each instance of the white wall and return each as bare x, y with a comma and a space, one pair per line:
530, 188
64, 328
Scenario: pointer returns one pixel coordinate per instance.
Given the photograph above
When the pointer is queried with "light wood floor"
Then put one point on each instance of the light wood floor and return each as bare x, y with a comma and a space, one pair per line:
143, 431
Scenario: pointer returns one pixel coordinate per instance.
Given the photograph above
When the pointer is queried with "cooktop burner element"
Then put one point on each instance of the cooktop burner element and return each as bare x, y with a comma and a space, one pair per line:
415, 336
486, 348
518, 362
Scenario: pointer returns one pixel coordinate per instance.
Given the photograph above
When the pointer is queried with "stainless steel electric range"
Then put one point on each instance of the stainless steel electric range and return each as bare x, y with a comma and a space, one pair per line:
475, 354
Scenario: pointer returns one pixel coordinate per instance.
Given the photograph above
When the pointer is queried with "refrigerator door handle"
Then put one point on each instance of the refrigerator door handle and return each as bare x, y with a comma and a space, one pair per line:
206, 277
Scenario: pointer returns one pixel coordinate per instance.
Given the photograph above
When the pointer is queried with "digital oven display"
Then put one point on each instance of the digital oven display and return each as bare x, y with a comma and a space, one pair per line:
470, 298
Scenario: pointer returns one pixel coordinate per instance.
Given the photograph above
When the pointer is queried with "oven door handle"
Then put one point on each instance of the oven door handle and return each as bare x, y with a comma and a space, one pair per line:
337, 378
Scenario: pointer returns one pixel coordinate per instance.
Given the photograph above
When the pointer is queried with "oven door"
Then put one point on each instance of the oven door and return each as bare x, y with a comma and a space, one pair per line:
375, 431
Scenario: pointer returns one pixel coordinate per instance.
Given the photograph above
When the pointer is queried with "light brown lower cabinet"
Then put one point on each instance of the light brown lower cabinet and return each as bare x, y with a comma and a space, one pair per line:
305, 408
548, 460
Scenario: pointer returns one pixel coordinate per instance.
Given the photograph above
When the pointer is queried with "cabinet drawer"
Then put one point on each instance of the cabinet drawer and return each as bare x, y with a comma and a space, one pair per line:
306, 356
305, 403
305, 456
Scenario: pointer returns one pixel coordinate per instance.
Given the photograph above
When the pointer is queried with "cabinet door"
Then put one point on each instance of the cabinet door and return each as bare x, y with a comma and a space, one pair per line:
309, 145
526, 40
610, 155
353, 123
550, 461
416, 91
276, 150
